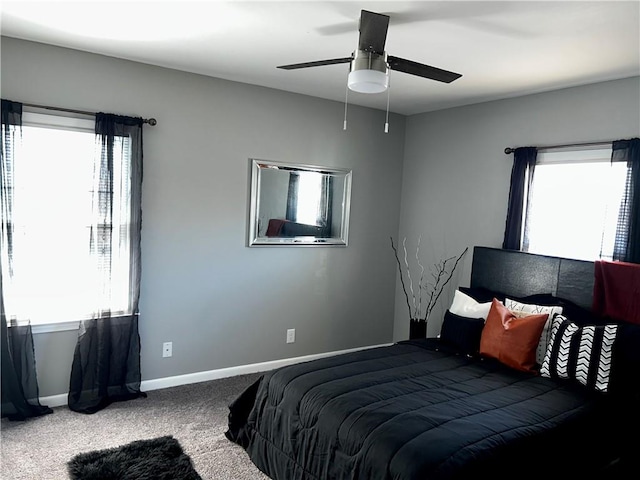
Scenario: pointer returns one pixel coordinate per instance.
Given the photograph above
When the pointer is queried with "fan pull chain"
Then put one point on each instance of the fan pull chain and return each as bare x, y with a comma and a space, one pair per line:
386, 123
346, 97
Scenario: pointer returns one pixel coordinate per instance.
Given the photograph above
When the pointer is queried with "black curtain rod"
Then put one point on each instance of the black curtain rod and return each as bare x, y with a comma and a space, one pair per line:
509, 150
150, 121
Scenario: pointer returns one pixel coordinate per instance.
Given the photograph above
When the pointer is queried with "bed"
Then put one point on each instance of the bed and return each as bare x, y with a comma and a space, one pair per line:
444, 408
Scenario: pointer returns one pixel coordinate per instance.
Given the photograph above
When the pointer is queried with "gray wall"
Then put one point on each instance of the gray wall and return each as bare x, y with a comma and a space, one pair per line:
456, 174
220, 302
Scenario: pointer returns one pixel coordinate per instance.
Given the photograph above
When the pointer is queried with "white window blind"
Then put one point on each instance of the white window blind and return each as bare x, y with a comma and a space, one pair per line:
60, 252
574, 204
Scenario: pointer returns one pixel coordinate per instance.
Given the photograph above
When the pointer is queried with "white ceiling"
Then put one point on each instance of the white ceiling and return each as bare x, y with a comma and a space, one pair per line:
502, 48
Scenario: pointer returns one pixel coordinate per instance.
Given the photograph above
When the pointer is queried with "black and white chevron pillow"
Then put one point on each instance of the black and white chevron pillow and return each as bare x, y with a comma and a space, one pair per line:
581, 353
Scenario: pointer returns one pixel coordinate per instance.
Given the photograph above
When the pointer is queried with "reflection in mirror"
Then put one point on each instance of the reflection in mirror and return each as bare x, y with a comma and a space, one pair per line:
298, 204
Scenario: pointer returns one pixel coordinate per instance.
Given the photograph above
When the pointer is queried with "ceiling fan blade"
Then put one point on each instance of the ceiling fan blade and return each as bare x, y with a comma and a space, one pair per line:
373, 32
319, 63
421, 70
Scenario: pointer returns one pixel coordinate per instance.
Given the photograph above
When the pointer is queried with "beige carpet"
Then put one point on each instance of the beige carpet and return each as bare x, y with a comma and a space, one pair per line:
196, 415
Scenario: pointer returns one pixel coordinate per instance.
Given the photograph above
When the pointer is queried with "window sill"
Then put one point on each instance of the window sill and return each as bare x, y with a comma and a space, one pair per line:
55, 327
37, 328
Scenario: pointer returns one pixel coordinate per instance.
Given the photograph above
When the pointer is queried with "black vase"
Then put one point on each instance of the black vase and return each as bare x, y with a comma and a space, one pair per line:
417, 329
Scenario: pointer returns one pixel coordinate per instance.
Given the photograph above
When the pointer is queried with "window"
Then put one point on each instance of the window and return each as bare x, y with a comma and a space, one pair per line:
574, 204
309, 197
62, 235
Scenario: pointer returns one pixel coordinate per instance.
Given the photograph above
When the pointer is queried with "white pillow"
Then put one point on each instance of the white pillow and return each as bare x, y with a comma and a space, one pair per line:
465, 306
546, 331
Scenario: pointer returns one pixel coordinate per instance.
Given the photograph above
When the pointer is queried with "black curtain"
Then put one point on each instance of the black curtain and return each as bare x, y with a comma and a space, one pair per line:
20, 395
627, 242
524, 162
292, 197
106, 361
325, 209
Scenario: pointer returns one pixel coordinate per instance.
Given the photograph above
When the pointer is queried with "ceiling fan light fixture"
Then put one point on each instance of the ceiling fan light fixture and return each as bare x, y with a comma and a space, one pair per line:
368, 81
369, 72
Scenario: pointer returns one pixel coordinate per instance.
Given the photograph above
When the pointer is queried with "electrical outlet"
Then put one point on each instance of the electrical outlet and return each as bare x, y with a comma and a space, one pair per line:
291, 335
167, 349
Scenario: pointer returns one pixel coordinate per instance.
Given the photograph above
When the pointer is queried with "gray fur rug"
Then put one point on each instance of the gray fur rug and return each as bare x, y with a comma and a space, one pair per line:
159, 458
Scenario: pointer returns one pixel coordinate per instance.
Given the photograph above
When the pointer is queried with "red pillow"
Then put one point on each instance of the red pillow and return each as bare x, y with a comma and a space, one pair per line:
511, 338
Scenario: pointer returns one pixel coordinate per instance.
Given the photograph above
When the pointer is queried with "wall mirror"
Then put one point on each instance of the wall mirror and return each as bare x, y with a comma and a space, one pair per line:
294, 204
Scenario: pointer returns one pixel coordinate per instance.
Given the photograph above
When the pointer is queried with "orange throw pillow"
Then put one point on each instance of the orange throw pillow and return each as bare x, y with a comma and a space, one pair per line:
510, 338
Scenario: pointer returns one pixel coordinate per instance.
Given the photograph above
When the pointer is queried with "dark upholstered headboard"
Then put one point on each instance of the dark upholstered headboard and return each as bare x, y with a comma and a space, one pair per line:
520, 274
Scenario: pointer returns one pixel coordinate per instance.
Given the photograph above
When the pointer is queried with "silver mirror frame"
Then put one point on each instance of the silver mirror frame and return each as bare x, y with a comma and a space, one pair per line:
254, 239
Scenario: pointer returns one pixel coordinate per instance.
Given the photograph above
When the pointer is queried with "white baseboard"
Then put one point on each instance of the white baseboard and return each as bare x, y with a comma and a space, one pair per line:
177, 380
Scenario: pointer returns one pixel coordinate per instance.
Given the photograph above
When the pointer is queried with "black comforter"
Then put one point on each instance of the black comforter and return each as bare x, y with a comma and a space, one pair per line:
414, 410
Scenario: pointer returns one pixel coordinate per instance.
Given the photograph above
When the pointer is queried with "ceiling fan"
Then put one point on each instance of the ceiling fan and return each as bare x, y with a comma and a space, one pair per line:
370, 64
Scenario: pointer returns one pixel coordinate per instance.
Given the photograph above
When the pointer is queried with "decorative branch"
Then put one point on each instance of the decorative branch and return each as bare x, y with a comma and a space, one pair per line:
446, 282
441, 276
440, 270
406, 264
420, 286
404, 289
